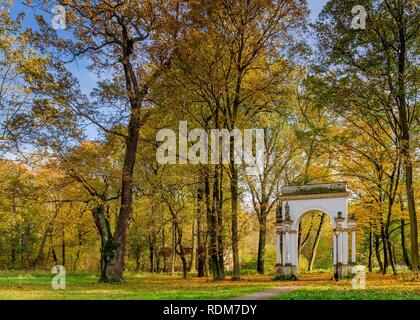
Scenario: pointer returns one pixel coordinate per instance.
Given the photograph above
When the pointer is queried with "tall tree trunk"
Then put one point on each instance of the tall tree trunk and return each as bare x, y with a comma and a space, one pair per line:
108, 244
302, 241
193, 250
40, 256
413, 218
262, 241
136, 94
262, 220
79, 248
181, 251
63, 246
54, 255
217, 206
299, 244
173, 249
201, 249
13, 254
14, 243
391, 255
26, 251
212, 231
100, 215
405, 143
306, 238
385, 250
47, 233
206, 263
157, 257
137, 261
316, 243
115, 266
177, 234
151, 254
234, 203
370, 267
165, 266
378, 254
184, 265
403, 247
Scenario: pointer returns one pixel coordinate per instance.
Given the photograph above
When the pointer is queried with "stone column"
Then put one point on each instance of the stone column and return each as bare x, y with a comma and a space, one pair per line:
283, 249
278, 242
286, 247
345, 248
294, 259
340, 247
288, 243
353, 246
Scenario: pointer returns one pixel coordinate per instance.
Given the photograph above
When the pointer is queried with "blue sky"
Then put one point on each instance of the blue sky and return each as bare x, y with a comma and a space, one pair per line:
86, 78
316, 7
78, 68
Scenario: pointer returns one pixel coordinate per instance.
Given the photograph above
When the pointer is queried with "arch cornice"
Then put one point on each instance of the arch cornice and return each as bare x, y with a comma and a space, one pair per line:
316, 196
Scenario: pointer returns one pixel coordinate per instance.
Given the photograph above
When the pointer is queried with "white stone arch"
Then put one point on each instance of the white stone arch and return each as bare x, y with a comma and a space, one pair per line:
314, 208
329, 198
331, 220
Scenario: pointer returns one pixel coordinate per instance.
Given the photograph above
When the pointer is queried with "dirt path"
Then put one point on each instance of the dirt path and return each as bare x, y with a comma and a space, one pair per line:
265, 295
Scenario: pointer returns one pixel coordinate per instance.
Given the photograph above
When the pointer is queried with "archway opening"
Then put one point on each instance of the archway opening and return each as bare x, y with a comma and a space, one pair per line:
315, 242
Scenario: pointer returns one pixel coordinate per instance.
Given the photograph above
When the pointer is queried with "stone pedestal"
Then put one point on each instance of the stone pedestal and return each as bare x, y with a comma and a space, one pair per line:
348, 268
344, 269
286, 270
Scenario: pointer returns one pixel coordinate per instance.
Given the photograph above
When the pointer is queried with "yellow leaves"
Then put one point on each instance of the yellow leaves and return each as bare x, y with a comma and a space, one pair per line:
18, 219
33, 67
49, 174
91, 146
21, 61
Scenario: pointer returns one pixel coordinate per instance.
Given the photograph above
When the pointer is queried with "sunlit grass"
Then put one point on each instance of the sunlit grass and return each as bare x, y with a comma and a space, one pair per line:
37, 285
378, 287
84, 285
333, 293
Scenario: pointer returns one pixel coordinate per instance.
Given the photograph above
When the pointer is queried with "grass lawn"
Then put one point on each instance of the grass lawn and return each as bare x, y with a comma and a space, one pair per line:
378, 287
37, 285
80, 285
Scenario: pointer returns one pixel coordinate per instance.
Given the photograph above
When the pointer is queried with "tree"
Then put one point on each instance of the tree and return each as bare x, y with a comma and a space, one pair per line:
19, 64
382, 61
241, 64
264, 187
136, 41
